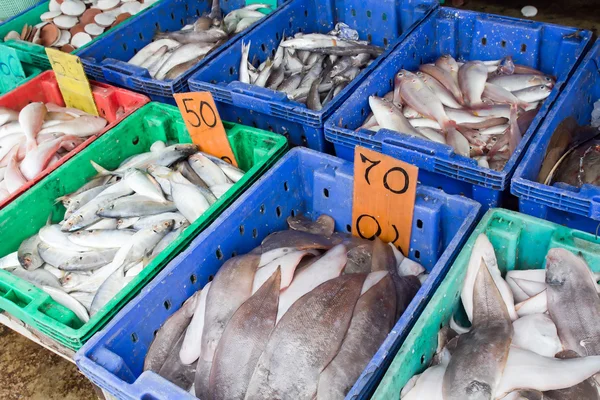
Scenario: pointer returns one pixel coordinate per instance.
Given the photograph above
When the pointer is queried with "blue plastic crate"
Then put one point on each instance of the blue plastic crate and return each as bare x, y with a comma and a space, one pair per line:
383, 22
107, 59
303, 181
466, 35
562, 203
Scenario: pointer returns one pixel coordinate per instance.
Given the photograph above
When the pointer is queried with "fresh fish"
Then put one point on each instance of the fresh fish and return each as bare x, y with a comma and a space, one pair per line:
533, 93
517, 82
207, 170
189, 200
103, 238
475, 369
175, 371
53, 236
372, 320
28, 254
244, 77
472, 77
31, 119
181, 55
230, 288
168, 334
389, 116
192, 36
440, 90
537, 304
7, 115
428, 385
243, 341
584, 390
286, 264
83, 126
68, 301
140, 183
150, 49
305, 341
39, 277
232, 172
74, 260
184, 168
527, 370
537, 333
109, 288
149, 221
133, 206
447, 79
13, 178
323, 225
500, 95
573, 302
297, 239
190, 348
10, 260
218, 191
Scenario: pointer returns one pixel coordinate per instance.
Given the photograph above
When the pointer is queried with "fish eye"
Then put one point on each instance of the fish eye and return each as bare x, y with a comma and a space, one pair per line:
400, 73
547, 78
542, 87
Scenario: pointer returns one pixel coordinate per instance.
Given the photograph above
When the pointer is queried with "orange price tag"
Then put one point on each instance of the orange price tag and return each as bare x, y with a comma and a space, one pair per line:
384, 198
204, 124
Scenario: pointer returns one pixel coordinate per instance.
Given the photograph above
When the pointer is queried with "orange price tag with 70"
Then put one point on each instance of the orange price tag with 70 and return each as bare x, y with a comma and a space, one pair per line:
204, 124
384, 198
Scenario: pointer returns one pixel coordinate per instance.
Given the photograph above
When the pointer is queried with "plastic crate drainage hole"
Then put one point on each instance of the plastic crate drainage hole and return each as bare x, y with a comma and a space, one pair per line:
134, 337
219, 253
167, 304
326, 193
193, 279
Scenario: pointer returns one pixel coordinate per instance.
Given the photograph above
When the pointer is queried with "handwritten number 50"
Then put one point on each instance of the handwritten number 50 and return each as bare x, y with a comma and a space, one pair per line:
207, 114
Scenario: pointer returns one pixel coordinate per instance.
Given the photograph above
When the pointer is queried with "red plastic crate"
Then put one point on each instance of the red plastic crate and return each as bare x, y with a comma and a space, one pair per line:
109, 100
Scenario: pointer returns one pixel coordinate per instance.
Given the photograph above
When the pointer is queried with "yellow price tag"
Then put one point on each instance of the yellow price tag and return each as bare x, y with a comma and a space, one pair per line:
72, 81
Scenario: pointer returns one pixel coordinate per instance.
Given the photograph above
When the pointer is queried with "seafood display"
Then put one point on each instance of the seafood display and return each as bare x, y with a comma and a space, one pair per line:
71, 24
480, 108
118, 222
298, 317
171, 54
37, 137
533, 333
311, 68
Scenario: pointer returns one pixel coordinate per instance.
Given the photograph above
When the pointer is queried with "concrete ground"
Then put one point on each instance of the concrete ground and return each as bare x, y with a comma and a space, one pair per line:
28, 371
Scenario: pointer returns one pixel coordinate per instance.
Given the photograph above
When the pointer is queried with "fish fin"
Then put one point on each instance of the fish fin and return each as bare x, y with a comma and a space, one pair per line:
100, 169
31, 145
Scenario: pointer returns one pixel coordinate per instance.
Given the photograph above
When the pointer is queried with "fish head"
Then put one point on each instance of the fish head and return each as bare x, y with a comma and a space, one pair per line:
71, 222
186, 149
565, 268
447, 61
25, 259
477, 390
164, 226
543, 80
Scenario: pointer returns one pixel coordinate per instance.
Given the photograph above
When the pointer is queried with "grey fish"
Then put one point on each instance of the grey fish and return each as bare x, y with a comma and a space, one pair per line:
28, 254
324, 225
276, 78
75, 260
150, 220
191, 36
573, 302
313, 101
184, 168
167, 240
372, 320
169, 333
189, 200
299, 240
175, 371
102, 238
134, 206
243, 341
305, 341
230, 288
39, 277
359, 259
476, 365
290, 84
109, 288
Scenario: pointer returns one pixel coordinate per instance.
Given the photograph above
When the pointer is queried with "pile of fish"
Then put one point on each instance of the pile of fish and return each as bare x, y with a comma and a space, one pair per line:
37, 137
480, 108
573, 155
118, 222
311, 68
173, 53
71, 24
299, 317
546, 346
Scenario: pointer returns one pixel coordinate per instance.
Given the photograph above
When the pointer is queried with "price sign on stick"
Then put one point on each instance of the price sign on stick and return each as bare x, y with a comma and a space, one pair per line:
11, 70
72, 81
204, 124
384, 198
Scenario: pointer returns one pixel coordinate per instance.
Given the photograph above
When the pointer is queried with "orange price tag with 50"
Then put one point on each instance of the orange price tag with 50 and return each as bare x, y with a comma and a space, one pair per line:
384, 198
204, 124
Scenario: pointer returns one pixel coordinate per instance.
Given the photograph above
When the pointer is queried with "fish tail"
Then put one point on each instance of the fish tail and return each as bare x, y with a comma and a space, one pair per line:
31, 145
100, 169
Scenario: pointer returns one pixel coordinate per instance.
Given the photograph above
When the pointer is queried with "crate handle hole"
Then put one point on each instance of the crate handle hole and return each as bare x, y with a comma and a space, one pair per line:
285, 186
306, 13
231, 71
155, 332
385, 41
368, 13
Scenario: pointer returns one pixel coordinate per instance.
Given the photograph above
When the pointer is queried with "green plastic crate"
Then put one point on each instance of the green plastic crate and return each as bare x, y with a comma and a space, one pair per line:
521, 242
30, 73
255, 150
35, 54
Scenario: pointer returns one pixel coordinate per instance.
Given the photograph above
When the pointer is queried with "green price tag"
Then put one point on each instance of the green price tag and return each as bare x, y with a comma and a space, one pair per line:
271, 3
11, 70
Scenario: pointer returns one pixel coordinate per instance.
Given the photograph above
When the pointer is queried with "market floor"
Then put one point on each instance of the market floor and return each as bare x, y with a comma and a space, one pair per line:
29, 371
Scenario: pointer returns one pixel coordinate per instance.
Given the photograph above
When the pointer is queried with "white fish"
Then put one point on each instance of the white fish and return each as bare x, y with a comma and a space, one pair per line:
99, 238
243, 75
181, 55
287, 264
152, 48
8, 115
10, 260
53, 236
191, 347
207, 170
31, 119
428, 386
69, 302
527, 370
189, 200
140, 183
537, 304
329, 266
537, 333
84, 126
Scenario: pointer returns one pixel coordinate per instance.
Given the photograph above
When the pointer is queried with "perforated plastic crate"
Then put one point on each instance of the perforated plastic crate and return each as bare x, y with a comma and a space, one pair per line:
107, 59
302, 182
466, 35
562, 203
384, 23
113, 103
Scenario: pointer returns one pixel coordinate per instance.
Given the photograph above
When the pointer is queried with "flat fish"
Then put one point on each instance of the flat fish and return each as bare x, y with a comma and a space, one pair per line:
372, 320
230, 288
324, 225
476, 366
190, 349
305, 341
428, 385
299, 240
174, 370
243, 341
168, 335
573, 302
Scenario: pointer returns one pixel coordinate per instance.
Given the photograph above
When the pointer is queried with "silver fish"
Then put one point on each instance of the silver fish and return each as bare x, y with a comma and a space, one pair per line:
74, 260
134, 206
28, 254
